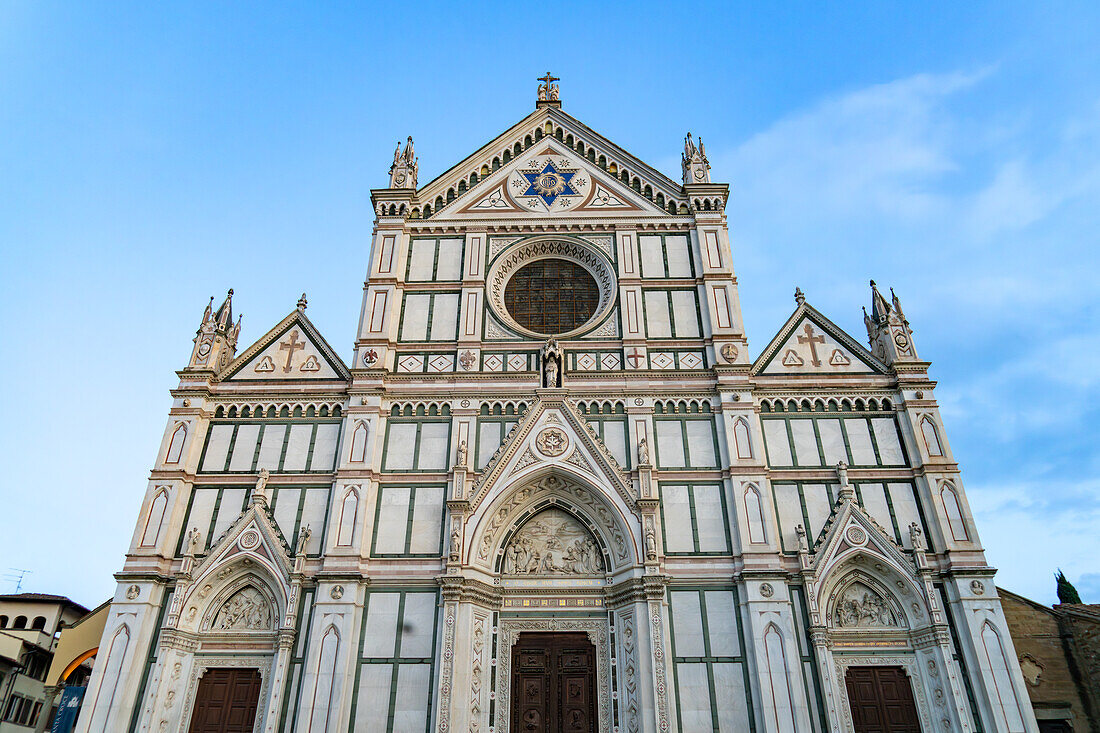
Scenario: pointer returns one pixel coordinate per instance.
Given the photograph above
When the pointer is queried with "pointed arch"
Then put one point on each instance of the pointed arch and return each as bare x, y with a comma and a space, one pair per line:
349, 509
359, 442
594, 508
153, 521
779, 702
754, 514
113, 665
953, 511
1006, 703
931, 437
741, 438
322, 712
175, 445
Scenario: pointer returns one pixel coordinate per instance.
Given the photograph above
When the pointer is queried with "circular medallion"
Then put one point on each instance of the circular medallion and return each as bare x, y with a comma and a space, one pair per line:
551, 442
976, 587
337, 592
767, 590
549, 183
901, 340
551, 286
133, 592
250, 539
729, 352
855, 535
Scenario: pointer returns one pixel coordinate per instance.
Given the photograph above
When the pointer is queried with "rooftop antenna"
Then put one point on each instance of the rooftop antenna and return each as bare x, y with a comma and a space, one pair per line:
17, 574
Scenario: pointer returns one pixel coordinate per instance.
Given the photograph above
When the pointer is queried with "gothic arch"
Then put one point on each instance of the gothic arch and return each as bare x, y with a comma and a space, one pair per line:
895, 585
540, 509
251, 589
595, 508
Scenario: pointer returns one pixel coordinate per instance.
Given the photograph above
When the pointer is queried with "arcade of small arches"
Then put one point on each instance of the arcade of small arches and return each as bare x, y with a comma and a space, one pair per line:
663, 200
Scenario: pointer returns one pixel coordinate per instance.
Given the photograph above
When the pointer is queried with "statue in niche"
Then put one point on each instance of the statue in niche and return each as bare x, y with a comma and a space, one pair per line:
643, 451
551, 364
861, 607
551, 372
552, 543
245, 610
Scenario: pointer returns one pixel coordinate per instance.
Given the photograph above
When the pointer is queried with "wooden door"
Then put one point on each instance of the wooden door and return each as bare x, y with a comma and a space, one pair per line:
226, 701
553, 684
881, 700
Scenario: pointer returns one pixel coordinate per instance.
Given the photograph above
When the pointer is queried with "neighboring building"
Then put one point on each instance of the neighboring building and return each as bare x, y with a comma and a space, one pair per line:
552, 491
29, 626
1059, 653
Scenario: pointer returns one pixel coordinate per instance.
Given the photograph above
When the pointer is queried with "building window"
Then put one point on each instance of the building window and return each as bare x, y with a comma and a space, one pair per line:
694, 519
551, 296
408, 521
20, 622
39, 623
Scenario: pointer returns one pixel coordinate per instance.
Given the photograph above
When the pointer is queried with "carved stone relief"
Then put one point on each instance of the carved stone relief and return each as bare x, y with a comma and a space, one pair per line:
861, 607
245, 610
552, 543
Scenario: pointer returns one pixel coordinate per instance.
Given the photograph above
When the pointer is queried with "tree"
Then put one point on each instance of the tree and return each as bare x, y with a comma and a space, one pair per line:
1066, 592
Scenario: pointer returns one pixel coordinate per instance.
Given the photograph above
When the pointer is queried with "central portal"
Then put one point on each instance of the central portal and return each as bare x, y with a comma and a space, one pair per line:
553, 683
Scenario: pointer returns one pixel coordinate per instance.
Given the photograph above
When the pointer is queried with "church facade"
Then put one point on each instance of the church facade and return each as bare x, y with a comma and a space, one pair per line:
552, 490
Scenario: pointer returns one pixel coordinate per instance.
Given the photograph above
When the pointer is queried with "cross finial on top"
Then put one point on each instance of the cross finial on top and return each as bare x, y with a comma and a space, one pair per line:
548, 90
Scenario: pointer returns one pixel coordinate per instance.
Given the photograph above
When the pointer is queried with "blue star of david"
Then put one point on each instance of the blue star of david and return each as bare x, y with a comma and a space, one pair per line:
549, 183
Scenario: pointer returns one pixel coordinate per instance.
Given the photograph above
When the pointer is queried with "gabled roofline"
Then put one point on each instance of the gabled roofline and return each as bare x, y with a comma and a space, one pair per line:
296, 315
804, 309
438, 185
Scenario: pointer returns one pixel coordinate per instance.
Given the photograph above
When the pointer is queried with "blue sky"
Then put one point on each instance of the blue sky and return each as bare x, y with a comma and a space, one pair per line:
153, 155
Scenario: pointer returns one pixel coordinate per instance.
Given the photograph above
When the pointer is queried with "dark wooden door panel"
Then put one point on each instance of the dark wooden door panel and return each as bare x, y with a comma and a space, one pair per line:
553, 684
226, 701
881, 700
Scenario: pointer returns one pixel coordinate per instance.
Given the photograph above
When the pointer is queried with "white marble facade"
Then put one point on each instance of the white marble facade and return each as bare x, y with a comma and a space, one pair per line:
733, 534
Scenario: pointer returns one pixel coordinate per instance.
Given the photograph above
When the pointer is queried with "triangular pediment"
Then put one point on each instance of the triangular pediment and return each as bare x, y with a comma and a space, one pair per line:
550, 179
553, 433
809, 343
489, 180
850, 527
253, 535
292, 350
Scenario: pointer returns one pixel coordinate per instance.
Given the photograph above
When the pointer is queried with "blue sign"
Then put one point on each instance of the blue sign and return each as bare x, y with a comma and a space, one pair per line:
67, 709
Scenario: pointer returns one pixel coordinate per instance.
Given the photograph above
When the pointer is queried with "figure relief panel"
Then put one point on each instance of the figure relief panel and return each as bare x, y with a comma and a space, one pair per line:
860, 607
552, 542
245, 610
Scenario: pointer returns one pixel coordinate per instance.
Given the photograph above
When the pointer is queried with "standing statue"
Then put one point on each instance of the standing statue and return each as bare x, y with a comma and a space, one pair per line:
461, 454
303, 540
643, 451
410, 158
260, 490
192, 543
550, 370
915, 536
800, 532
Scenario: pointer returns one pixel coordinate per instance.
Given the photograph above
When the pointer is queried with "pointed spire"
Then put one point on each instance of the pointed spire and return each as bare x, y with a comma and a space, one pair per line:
880, 309
405, 166
896, 304
302, 302
224, 315
889, 334
216, 338
798, 296
695, 163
